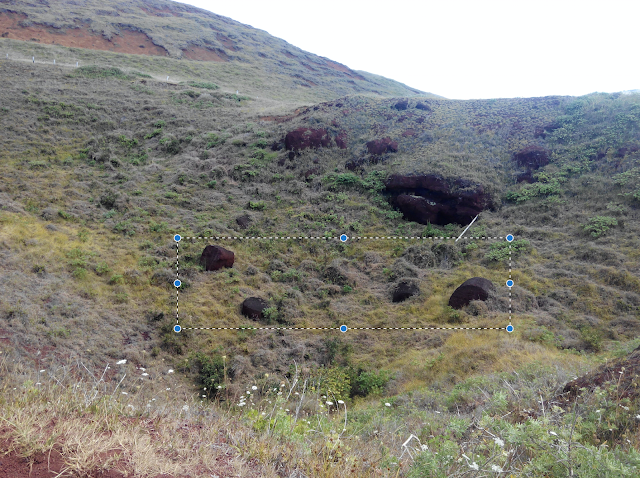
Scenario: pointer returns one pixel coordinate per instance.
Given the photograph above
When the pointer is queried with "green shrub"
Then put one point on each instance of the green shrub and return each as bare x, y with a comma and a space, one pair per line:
600, 225
499, 251
125, 227
160, 124
102, 268
212, 184
153, 134
257, 205
366, 383
127, 143
213, 140
116, 279
158, 226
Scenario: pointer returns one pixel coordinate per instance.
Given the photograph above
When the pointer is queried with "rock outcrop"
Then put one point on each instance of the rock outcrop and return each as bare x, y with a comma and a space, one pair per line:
532, 157
428, 198
252, 307
304, 138
476, 288
404, 289
378, 147
216, 257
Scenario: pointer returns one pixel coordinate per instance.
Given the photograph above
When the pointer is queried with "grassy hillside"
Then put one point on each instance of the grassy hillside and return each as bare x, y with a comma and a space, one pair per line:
182, 41
100, 167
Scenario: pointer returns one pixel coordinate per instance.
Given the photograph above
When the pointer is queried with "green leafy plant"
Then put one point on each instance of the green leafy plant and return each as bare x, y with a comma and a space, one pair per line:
600, 225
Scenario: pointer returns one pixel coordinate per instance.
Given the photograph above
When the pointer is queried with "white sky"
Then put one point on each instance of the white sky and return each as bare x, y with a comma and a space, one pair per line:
463, 49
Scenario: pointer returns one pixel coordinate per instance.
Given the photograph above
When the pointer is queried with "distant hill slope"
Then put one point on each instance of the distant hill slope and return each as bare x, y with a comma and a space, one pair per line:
174, 30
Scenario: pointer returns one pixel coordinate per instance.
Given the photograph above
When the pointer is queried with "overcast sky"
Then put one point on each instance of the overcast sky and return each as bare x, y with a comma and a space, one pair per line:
463, 49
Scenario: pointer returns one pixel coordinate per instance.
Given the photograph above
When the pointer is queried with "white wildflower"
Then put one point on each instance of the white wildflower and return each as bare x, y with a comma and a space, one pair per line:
248, 392
263, 414
124, 393
168, 389
170, 370
219, 387
185, 408
637, 417
474, 466
254, 388
424, 447
498, 441
553, 433
145, 374
387, 404
42, 371
496, 468
340, 402
121, 362
329, 403
241, 404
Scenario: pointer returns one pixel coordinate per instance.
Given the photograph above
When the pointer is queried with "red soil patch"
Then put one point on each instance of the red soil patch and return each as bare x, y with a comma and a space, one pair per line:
127, 42
340, 67
288, 55
409, 132
227, 42
204, 54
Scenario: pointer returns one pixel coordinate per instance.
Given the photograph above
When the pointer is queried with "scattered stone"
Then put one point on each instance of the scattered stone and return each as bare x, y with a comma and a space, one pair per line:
476, 288
405, 289
243, 221
253, 307
216, 257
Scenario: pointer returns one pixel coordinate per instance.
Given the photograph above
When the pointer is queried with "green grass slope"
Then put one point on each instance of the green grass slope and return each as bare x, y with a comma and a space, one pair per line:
101, 166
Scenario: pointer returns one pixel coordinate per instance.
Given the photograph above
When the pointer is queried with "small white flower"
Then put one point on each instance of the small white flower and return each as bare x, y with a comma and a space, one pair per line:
340, 402
437, 411
168, 389
41, 371
145, 374
38, 383
254, 388
286, 409
387, 404
637, 417
474, 466
170, 370
185, 408
279, 393
498, 441
296, 393
553, 433
121, 362
241, 404
496, 468
424, 447
203, 396
142, 368
219, 387
124, 393
598, 411
329, 403
248, 392
263, 414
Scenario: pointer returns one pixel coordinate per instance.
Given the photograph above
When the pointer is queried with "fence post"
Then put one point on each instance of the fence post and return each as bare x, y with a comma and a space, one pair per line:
54, 61
33, 58
76, 64
167, 78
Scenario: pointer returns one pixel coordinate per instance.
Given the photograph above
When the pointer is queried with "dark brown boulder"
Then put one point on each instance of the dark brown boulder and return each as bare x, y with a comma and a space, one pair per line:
253, 307
379, 147
423, 107
216, 257
476, 288
341, 140
304, 138
428, 198
403, 290
532, 157
401, 105
243, 221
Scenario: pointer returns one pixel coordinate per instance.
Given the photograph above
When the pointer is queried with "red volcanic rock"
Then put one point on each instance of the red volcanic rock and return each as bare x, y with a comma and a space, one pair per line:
303, 138
477, 288
379, 147
428, 198
341, 140
253, 307
401, 105
532, 157
216, 257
